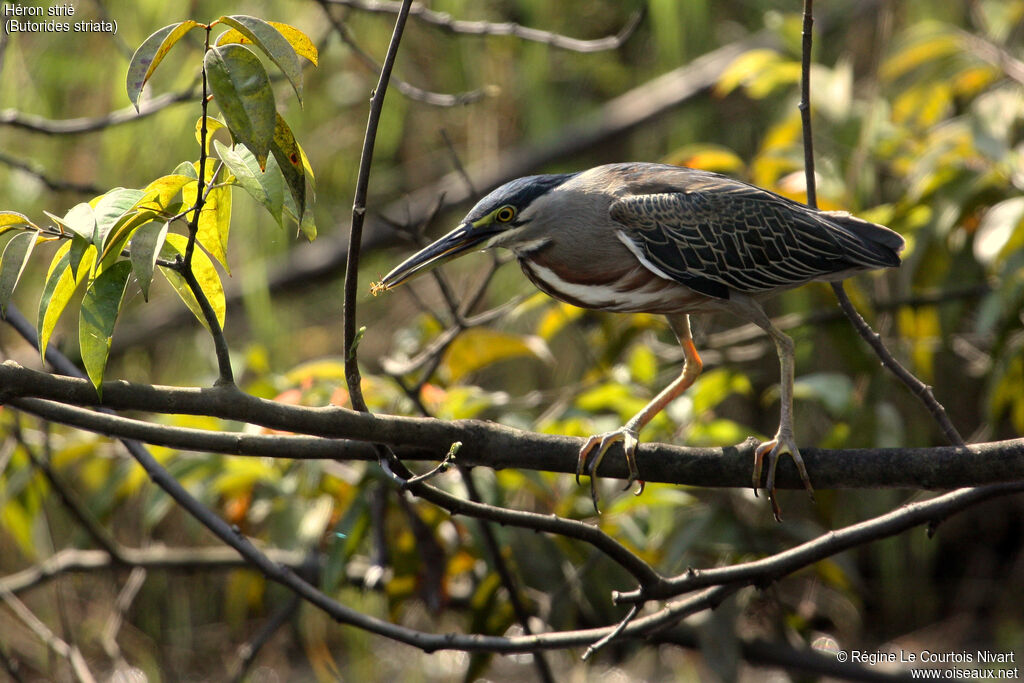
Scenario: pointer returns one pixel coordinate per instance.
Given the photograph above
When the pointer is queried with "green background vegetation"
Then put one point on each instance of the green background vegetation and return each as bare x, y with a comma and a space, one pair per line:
919, 120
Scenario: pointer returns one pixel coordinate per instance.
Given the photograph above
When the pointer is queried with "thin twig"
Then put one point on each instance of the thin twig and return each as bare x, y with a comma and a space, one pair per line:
203, 189
408, 89
56, 185
444, 21
769, 569
248, 650
39, 124
918, 388
52, 641
613, 634
352, 375
136, 579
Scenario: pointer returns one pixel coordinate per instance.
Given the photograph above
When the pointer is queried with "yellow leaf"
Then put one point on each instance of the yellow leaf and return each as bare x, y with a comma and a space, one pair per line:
707, 157
480, 347
745, 68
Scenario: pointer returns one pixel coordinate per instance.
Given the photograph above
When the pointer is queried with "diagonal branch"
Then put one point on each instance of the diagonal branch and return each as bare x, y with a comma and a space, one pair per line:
918, 388
769, 569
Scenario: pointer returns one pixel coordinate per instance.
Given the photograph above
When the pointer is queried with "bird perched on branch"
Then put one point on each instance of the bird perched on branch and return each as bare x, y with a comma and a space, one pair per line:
654, 238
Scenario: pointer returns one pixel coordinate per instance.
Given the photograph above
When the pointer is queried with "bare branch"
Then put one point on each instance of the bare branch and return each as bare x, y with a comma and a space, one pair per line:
484, 443
352, 376
39, 124
52, 641
444, 21
767, 570
39, 172
408, 89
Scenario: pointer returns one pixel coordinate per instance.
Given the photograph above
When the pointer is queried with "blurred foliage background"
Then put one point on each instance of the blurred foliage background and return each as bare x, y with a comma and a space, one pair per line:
919, 115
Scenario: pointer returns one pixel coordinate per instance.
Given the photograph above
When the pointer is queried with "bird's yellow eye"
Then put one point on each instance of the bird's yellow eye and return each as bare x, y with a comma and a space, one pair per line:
505, 214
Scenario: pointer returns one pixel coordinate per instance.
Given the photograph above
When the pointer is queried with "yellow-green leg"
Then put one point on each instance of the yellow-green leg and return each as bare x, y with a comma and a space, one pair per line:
628, 434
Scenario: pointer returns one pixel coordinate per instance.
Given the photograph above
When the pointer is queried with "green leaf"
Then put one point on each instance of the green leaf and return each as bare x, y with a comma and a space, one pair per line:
269, 39
12, 264
100, 307
289, 158
242, 90
206, 275
12, 220
299, 41
150, 53
835, 391
480, 347
122, 231
80, 247
266, 187
109, 210
80, 219
146, 244
187, 168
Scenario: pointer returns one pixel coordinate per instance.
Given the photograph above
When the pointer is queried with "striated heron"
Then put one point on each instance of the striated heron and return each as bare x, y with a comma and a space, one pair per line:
654, 238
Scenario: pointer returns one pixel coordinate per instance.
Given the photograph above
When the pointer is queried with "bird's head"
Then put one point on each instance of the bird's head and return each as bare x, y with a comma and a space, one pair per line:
502, 218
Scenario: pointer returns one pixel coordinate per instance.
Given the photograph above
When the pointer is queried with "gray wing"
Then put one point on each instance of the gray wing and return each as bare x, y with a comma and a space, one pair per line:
735, 236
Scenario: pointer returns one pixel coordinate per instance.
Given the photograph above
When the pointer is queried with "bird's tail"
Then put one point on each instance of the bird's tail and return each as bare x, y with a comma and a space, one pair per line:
877, 240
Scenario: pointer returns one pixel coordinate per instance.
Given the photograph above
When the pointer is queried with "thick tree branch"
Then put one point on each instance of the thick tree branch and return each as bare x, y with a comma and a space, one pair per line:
484, 443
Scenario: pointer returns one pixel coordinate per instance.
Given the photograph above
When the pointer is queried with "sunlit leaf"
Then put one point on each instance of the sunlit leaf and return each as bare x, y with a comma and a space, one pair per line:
266, 187
556, 317
716, 385
150, 53
745, 68
708, 157
299, 41
932, 41
205, 272
12, 264
12, 220
1000, 232
110, 208
66, 273
145, 247
273, 43
100, 307
831, 389
479, 347
643, 364
242, 90
187, 168
215, 218
80, 220
290, 160
212, 126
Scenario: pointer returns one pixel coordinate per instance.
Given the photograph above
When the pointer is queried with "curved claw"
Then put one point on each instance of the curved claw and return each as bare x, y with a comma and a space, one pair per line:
771, 450
602, 442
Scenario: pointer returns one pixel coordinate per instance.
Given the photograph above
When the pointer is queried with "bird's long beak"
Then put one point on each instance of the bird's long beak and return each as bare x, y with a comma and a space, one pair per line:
458, 241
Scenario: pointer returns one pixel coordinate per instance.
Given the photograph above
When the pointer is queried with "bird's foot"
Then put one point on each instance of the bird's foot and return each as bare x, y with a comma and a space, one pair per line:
771, 451
602, 442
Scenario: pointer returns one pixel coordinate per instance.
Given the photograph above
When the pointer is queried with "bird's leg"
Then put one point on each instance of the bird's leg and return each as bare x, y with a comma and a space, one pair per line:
628, 433
783, 441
